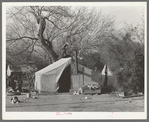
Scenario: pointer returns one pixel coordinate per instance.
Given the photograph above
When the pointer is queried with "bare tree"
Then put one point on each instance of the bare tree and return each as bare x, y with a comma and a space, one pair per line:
51, 27
23, 25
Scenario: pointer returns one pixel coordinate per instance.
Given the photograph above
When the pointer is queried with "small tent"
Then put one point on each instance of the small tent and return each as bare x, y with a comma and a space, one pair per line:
106, 70
55, 77
9, 71
106, 73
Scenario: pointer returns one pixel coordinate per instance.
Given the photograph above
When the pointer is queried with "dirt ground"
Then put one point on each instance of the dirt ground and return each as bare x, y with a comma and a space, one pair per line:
75, 103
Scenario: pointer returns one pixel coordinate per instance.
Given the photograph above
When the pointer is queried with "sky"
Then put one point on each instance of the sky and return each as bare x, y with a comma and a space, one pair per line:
124, 14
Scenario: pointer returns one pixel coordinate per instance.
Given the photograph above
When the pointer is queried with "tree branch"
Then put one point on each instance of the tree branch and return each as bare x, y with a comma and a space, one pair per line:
25, 37
53, 24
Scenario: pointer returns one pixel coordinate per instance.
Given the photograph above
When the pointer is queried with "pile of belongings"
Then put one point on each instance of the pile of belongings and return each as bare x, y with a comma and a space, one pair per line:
33, 94
120, 94
91, 87
9, 89
80, 91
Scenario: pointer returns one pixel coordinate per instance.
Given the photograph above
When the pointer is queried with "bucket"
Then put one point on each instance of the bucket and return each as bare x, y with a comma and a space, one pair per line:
28, 95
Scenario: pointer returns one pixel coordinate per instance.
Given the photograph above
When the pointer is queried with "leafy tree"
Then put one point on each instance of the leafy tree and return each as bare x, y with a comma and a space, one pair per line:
125, 56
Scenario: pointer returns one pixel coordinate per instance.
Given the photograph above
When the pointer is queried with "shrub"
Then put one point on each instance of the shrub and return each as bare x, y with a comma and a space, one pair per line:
125, 58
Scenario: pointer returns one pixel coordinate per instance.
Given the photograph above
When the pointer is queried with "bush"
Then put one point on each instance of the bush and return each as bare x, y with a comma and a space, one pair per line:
125, 58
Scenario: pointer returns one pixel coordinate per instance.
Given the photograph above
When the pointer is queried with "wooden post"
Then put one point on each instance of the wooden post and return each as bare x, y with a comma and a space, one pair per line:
83, 74
106, 77
76, 62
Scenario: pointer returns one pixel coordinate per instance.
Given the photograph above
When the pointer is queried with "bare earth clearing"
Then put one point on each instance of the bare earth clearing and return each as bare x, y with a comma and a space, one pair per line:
75, 103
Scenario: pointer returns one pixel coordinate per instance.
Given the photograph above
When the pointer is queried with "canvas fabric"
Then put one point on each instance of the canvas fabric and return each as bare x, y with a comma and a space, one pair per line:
8, 71
47, 79
109, 73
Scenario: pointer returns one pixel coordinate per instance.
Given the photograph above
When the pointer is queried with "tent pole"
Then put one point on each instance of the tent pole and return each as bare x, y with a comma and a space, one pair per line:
106, 78
83, 74
76, 61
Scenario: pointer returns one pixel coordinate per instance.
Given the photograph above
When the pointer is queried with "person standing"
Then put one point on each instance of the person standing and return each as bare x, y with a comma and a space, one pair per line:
12, 83
20, 83
64, 53
7, 82
17, 83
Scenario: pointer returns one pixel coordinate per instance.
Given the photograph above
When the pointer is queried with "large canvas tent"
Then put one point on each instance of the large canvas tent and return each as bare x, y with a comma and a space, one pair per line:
55, 77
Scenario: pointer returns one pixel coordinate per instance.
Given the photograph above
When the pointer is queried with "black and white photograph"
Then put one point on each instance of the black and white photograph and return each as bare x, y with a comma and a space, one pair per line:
74, 60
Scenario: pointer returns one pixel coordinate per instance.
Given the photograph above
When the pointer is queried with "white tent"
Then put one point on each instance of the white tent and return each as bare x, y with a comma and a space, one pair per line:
55, 77
109, 73
8, 71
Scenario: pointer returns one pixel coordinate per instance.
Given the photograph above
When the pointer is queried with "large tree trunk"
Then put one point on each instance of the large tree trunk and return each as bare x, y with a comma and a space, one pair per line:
46, 43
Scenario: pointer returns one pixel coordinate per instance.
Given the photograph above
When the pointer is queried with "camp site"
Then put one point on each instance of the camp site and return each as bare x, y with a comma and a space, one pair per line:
58, 90
73, 59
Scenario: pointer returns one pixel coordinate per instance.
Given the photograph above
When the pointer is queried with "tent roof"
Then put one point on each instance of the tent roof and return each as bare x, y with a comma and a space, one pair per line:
54, 65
